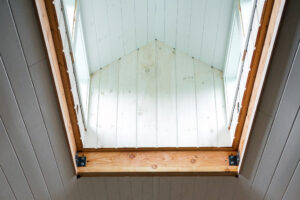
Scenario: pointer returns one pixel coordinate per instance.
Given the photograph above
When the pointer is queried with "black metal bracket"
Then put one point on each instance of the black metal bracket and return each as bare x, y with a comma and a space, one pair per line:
80, 161
234, 160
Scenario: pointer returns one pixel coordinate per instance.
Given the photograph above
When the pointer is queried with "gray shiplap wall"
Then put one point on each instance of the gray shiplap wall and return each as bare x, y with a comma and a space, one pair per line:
34, 158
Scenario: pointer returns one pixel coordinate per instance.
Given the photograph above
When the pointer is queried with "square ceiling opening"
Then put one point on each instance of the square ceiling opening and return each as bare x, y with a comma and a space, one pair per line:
156, 74
157, 108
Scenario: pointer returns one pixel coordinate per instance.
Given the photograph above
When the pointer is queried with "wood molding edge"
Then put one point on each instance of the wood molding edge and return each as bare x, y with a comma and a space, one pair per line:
261, 72
254, 74
53, 43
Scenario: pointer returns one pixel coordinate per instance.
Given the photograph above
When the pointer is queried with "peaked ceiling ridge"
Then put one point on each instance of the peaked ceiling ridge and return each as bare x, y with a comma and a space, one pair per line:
148, 44
115, 28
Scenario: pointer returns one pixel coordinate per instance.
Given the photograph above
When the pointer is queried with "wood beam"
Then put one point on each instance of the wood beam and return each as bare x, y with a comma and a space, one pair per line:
53, 41
49, 26
157, 163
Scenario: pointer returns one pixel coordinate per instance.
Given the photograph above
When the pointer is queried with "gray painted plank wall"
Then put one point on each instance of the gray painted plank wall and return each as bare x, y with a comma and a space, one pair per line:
34, 158
5, 192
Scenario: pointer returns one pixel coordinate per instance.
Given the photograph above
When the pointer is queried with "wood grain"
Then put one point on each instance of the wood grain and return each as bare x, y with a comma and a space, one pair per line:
260, 41
157, 162
49, 26
261, 72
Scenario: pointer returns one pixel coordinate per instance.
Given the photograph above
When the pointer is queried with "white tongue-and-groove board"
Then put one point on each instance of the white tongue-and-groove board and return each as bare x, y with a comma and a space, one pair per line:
114, 28
157, 97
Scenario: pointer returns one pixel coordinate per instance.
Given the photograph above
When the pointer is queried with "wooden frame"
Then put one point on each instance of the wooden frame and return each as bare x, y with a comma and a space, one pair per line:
253, 76
53, 44
159, 161
269, 29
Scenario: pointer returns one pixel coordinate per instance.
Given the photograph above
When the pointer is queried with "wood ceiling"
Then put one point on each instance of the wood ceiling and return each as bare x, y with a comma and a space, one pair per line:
114, 28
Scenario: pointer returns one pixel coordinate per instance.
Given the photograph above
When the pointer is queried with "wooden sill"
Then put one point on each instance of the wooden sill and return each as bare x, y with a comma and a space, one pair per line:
168, 161
157, 163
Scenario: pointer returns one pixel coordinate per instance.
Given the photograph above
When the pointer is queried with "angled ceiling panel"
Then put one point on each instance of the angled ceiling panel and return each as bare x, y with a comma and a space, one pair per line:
114, 28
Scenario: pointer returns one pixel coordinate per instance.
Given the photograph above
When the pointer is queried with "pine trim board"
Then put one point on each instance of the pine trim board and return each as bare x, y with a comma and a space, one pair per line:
253, 75
189, 161
157, 163
53, 43
264, 49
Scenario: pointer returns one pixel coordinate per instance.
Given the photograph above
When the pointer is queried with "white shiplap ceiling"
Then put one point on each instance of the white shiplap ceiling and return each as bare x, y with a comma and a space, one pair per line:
114, 28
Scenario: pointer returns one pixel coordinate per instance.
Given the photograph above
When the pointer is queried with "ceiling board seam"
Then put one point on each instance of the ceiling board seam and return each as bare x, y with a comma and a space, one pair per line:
42, 116
217, 34
122, 27
189, 20
6, 180
196, 101
109, 30
13, 92
276, 113
134, 7
215, 101
136, 97
97, 35
175, 70
165, 20
117, 106
190, 28
147, 20
14, 152
156, 94
22, 118
286, 141
285, 190
204, 13
97, 107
